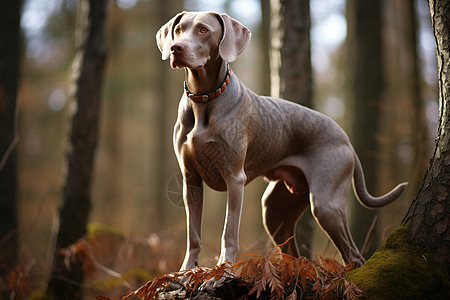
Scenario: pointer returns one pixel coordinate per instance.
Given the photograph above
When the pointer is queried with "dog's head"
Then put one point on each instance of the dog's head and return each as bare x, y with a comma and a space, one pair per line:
191, 39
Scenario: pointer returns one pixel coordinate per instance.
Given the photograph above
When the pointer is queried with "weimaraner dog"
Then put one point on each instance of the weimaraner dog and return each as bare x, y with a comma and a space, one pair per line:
226, 135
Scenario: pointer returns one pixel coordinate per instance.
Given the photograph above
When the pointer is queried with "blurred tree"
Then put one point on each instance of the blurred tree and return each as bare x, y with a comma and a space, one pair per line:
113, 109
405, 147
418, 122
290, 56
265, 45
10, 12
167, 9
88, 67
405, 111
364, 90
291, 76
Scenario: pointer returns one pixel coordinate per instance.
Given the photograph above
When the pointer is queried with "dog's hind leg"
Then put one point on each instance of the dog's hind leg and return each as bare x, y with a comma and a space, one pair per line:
281, 211
330, 210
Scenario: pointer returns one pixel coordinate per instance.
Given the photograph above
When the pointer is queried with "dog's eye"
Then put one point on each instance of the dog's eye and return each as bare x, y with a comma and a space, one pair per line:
177, 30
203, 29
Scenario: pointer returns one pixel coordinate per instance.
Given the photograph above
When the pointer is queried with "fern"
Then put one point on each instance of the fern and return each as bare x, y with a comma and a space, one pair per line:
331, 283
275, 276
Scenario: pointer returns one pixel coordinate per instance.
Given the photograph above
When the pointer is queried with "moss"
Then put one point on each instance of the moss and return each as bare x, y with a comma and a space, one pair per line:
398, 270
96, 228
40, 295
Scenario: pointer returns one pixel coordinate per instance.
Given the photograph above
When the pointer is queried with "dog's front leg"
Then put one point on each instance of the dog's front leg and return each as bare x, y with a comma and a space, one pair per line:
230, 236
193, 202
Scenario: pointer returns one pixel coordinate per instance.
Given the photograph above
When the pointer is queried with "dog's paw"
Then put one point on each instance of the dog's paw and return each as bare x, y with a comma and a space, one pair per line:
211, 284
178, 282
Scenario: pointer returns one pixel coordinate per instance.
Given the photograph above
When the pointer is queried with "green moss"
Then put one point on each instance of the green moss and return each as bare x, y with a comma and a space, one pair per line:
398, 270
96, 228
40, 295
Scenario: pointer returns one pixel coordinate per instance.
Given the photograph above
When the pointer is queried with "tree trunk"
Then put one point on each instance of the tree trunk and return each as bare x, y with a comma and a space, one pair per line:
88, 69
290, 56
414, 263
428, 215
265, 46
9, 81
364, 95
291, 75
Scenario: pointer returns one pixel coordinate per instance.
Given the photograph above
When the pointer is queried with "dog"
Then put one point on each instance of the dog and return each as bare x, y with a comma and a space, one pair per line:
226, 136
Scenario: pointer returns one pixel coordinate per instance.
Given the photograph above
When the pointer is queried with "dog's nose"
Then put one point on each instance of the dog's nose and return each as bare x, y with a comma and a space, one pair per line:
178, 47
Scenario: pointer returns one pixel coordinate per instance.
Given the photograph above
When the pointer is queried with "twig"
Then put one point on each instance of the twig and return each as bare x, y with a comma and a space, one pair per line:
15, 140
369, 232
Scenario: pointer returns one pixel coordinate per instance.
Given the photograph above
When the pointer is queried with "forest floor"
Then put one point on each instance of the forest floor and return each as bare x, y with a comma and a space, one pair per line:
275, 276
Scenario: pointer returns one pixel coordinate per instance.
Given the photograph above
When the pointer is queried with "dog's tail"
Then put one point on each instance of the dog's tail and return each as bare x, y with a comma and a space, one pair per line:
359, 186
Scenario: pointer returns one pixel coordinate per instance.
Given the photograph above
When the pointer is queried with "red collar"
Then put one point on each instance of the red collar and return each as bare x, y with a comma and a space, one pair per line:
203, 98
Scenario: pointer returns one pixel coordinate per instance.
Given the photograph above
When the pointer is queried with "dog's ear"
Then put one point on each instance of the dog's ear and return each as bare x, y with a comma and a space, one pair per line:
164, 36
235, 38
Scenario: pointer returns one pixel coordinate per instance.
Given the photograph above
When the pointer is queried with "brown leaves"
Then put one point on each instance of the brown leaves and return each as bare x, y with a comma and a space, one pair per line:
331, 282
80, 252
189, 281
274, 272
281, 275
18, 281
275, 276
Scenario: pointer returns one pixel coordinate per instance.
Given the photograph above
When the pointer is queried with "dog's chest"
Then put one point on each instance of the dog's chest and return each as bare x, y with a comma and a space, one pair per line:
207, 152
204, 146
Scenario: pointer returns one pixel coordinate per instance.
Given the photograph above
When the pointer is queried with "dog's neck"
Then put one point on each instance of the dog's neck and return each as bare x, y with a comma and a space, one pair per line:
206, 79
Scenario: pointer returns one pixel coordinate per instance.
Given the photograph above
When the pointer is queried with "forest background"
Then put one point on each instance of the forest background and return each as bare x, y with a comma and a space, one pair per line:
136, 187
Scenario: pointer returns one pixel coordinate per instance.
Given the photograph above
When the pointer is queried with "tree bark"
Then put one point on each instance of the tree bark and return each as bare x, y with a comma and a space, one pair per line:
88, 68
9, 81
428, 215
291, 75
364, 88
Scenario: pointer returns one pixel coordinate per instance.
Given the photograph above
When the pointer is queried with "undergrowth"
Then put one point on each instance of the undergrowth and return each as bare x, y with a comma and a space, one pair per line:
107, 267
275, 276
